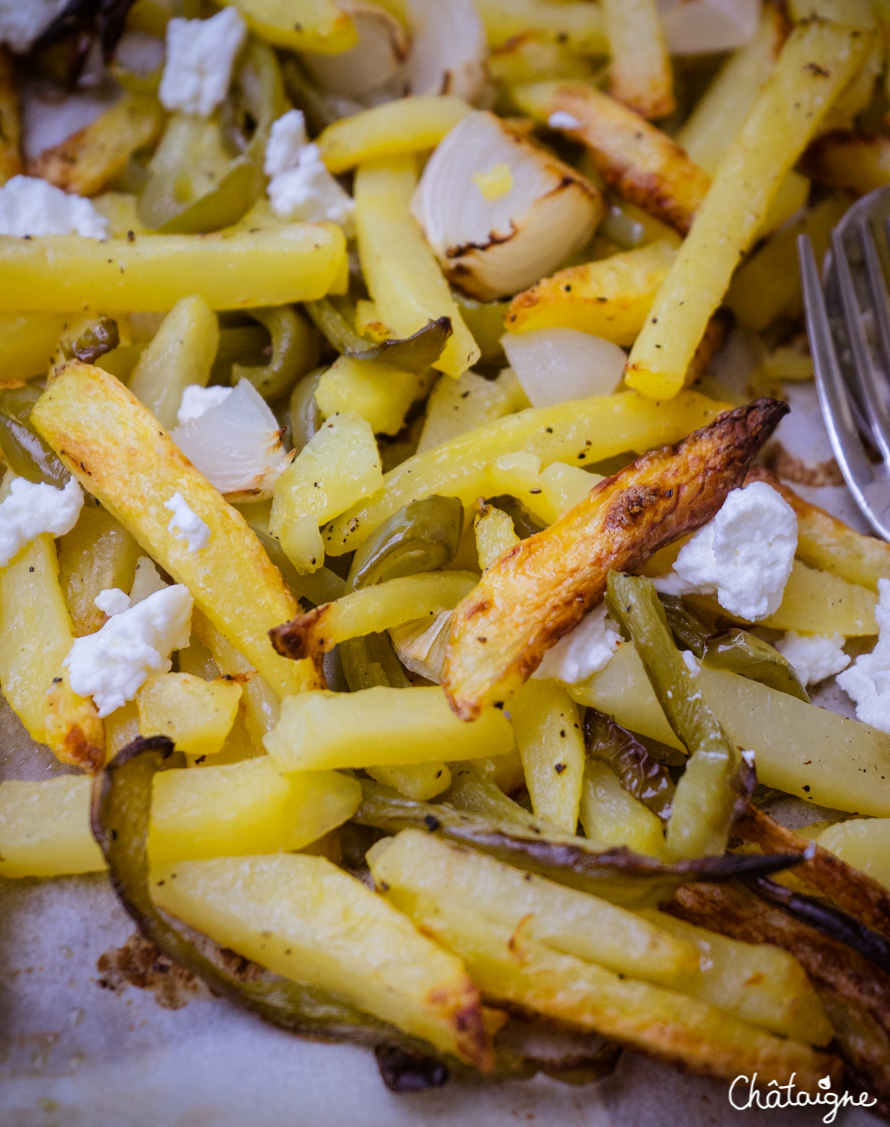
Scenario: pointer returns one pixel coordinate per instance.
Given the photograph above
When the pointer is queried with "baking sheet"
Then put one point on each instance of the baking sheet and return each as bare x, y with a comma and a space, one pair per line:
78, 1052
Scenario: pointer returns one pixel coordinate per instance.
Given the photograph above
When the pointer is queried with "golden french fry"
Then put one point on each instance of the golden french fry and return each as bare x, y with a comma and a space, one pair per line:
197, 715
847, 158
611, 814
548, 734
300, 25
640, 70
813, 68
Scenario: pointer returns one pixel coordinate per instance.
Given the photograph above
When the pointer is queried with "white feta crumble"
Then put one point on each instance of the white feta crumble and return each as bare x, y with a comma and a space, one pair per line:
31, 206
691, 662
585, 650
112, 665
300, 186
32, 509
867, 681
22, 21
744, 555
186, 525
200, 57
112, 601
197, 399
563, 120
814, 656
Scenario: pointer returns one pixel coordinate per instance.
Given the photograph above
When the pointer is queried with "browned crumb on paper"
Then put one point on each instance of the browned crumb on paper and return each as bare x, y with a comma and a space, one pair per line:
139, 963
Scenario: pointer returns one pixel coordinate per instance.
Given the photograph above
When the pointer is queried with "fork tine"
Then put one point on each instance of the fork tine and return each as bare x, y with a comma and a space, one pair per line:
877, 287
876, 413
845, 441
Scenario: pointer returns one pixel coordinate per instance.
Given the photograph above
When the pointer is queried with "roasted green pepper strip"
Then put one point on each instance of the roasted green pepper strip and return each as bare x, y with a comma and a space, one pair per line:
423, 536
615, 873
120, 818
294, 352
195, 184
97, 339
739, 651
685, 624
24, 451
717, 782
638, 772
416, 353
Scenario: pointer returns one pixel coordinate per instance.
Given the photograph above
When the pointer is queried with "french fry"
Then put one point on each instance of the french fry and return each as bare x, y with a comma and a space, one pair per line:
547, 494
457, 406
380, 392
512, 968
640, 69
635, 158
91, 159
548, 735
419, 865
816, 602
98, 553
815, 64
420, 781
531, 57
239, 270
612, 815
196, 714
238, 809
579, 26
850, 159
608, 298
28, 341
89, 419
407, 125
371, 610
304, 918
720, 113
180, 353
10, 128
536, 593
390, 727
258, 700
755, 981
494, 533
863, 843
581, 432
338, 467
35, 637
812, 753
300, 25
400, 269
45, 828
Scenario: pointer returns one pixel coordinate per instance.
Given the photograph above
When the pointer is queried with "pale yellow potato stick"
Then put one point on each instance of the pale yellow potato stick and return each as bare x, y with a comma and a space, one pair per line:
239, 270
127, 460
300, 25
96, 554
45, 828
400, 269
197, 715
548, 734
640, 69
407, 125
815, 64
611, 814
27, 343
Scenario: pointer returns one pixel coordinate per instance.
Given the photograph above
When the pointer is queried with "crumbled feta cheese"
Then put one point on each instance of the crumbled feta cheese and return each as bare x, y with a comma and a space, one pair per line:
867, 681
563, 120
814, 656
185, 524
146, 581
112, 601
744, 555
200, 57
197, 399
585, 650
287, 139
300, 186
112, 665
31, 509
691, 661
22, 21
31, 206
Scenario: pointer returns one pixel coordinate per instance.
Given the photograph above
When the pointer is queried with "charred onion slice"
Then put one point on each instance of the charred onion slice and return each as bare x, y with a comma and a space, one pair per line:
120, 816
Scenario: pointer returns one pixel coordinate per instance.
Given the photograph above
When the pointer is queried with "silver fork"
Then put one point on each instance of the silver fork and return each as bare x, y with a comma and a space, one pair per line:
849, 332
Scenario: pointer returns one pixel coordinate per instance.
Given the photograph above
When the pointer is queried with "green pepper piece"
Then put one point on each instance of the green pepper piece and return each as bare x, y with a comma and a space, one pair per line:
24, 451
739, 651
97, 339
195, 184
685, 625
717, 782
294, 352
423, 536
416, 353
638, 772
121, 807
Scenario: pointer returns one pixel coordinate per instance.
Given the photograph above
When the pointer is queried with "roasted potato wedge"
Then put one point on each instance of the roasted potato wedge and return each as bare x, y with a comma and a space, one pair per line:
850, 159
542, 587
640, 71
